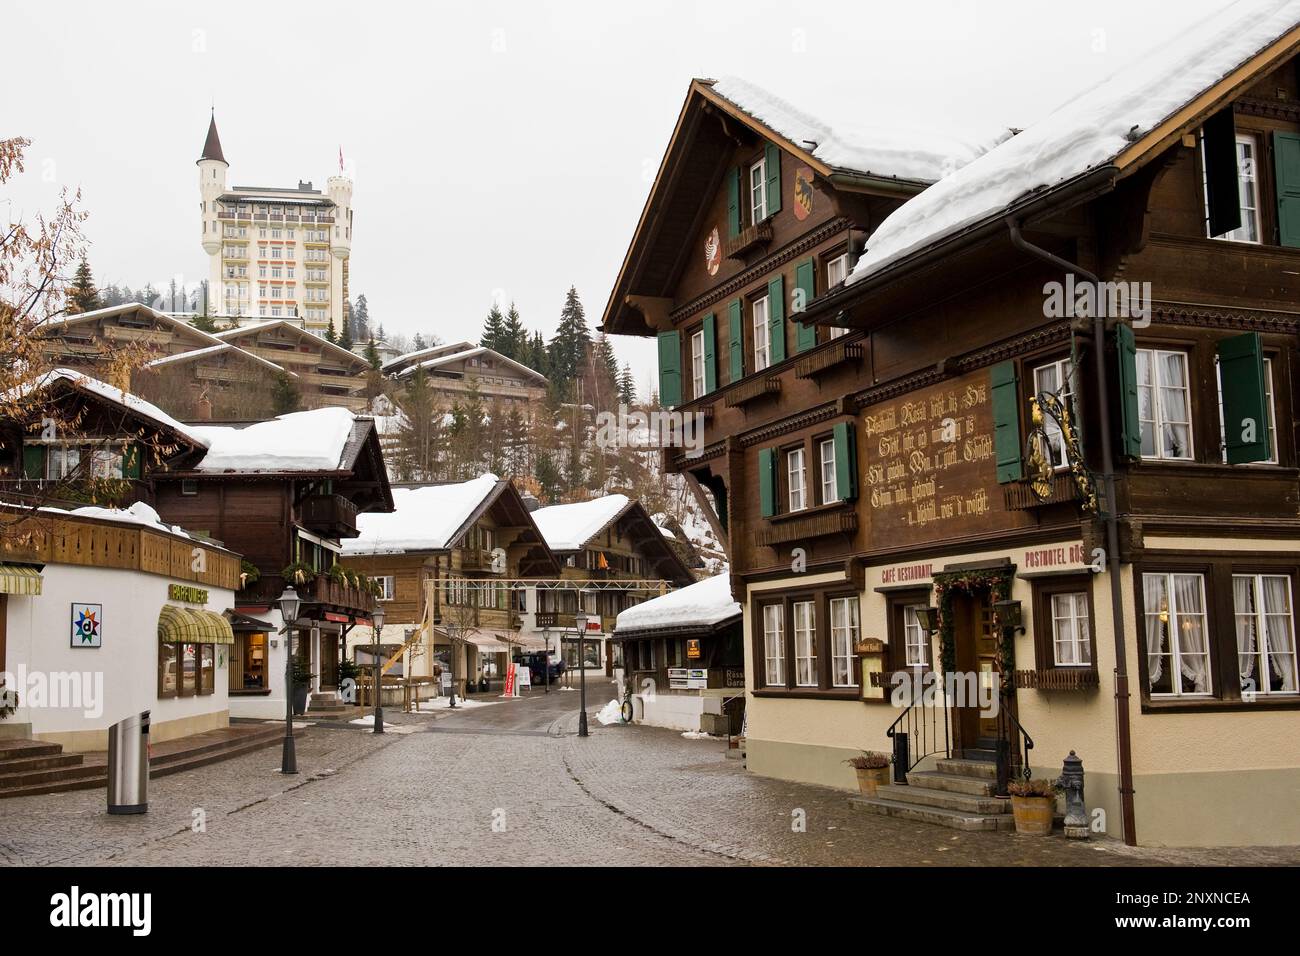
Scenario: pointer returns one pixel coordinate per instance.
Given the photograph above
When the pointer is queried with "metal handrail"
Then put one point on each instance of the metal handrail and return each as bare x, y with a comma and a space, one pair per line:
1003, 755
917, 727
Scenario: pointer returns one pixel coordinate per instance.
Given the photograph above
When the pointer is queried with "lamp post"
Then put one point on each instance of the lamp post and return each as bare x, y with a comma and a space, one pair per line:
451, 639
546, 661
580, 621
377, 627
289, 604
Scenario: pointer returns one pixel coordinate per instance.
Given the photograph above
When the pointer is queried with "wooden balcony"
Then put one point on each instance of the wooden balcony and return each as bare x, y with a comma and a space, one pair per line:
837, 354
476, 559
1018, 496
748, 239
802, 527
319, 596
331, 516
753, 389
1060, 678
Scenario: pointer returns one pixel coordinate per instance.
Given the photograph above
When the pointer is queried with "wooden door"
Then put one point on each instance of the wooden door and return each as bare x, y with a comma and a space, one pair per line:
329, 659
988, 667
975, 651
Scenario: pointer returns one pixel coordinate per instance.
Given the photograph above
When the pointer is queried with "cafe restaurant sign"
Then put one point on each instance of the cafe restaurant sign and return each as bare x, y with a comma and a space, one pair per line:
187, 594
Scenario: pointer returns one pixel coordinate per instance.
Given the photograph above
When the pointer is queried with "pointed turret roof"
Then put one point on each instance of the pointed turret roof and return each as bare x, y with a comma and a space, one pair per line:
212, 145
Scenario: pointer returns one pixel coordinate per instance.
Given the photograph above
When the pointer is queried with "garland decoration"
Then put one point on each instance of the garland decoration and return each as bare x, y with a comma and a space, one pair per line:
996, 582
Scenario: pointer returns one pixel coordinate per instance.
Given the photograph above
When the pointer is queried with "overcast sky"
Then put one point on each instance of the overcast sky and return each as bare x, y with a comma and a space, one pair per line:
498, 149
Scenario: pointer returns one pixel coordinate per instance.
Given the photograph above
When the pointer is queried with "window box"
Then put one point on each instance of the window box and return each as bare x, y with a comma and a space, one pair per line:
836, 354
1018, 496
1058, 678
820, 522
748, 239
752, 390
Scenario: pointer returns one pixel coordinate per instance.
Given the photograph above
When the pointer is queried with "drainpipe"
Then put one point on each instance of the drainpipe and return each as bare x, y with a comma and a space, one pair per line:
1122, 729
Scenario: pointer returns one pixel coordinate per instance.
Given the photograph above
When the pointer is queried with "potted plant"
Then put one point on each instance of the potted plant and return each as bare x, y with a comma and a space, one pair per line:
302, 678
872, 769
338, 574
1033, 803
249, 574
298, 574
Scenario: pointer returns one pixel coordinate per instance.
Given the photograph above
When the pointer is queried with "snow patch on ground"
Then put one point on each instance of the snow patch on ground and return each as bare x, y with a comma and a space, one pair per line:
609, 714
698, 735
444, 703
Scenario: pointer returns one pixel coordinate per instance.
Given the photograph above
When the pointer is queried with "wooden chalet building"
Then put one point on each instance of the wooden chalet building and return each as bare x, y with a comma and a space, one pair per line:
90, 342
285, 493
325, 374
282, 493
612, 556
452, 368
450, 559
221, 382
902, 496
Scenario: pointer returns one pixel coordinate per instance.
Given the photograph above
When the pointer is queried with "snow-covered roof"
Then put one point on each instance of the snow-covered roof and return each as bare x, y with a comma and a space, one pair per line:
320, 340
423, 519
1091, 130
469, 353
162, 317
138, 513
894, 152
408, 357
569, 527
311, 441
130, 402
181, 357
702, 604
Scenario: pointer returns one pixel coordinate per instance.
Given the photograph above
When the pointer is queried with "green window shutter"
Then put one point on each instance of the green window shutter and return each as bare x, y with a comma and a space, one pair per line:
772, 161
710, 353
733, 203
767, 480
736, 339
1245, 411
776, 319
131, 460
34, 462
1130, 424
1006, 422
670, 369
805, 336
1222, 193
846, 461
1286, 171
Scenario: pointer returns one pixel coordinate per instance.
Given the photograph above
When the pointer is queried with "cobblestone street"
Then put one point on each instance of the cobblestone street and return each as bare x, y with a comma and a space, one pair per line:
511, 783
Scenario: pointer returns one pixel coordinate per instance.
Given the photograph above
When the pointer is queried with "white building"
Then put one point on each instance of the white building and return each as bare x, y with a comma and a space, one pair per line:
274, 252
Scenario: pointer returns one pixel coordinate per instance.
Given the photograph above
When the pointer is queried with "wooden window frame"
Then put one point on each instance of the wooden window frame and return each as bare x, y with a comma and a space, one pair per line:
896, 602
703, 386
819, 442
158, 667
787, 453
759, 163
1257, 573
1044, 634
820, 596
751, 332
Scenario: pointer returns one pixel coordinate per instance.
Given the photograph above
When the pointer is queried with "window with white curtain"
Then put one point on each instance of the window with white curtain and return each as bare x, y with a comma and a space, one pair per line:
1177, 635
1266, 651
758, 191
837, 270
1164, 404
796, 479
761, 335
697, 364
1055, 378
773, 645
844, 635
805, 644
1071, 633
826, 454
916, 640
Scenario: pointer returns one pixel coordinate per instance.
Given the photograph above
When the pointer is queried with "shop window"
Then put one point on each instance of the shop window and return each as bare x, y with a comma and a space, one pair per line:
207, 668
1266, 648
168, 676
1177, 635
189, 669
845, 629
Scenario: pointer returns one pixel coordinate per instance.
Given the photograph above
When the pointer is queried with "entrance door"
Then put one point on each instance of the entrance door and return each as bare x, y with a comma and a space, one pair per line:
329, 659
975, 653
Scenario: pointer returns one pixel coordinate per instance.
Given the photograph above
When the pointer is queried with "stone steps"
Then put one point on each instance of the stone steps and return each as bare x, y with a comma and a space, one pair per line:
945, 799
957, 794
953, 819
951, 782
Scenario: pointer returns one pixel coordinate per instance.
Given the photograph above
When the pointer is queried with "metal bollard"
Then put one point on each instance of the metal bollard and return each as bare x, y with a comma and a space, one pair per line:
1076, 814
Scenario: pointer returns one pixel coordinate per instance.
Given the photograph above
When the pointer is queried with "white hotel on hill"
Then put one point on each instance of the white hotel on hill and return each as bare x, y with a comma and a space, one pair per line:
274, 253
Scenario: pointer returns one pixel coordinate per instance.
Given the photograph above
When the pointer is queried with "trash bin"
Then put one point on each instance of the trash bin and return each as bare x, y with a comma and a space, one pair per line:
128, 764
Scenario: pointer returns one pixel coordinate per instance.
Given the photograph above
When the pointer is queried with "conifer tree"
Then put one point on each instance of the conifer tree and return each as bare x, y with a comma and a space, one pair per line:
360, 320
372, 354
492, 329
568, 349
514, 337
345, 340
329, 332
627, 386
82, 294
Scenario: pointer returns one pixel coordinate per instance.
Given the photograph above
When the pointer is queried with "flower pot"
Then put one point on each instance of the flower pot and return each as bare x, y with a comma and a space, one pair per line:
300, 691
869, 778
1033, 814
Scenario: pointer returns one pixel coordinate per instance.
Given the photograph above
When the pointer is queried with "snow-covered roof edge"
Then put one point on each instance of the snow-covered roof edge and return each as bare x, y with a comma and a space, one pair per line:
706, 603
127, 400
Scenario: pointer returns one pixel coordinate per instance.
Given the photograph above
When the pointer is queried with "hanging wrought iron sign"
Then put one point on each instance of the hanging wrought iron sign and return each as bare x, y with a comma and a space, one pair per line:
1038, 450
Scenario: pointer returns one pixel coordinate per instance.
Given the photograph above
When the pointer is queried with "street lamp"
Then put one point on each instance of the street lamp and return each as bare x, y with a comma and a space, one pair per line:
377, 627
451, 639
546, 661
289, 604
580, 622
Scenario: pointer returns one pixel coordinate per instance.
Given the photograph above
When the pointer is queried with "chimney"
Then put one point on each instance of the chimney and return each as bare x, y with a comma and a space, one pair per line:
530, 501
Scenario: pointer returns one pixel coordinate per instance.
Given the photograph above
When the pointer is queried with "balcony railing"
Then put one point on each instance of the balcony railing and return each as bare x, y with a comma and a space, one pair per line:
331, 515
320, 593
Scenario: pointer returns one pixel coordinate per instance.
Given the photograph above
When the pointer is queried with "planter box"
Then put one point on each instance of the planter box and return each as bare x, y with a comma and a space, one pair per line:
1033, 814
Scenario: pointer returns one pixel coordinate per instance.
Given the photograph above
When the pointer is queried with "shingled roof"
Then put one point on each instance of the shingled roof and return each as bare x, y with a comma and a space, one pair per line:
212, 145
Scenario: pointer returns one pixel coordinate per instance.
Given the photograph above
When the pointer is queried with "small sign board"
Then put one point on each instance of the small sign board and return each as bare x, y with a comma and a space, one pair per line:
688, 678
693, 649
87, 625
446, 680
524, 676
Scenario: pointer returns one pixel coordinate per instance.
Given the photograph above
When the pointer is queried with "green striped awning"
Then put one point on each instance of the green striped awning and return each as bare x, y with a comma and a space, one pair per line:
20, 579
214, 627
179, 625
